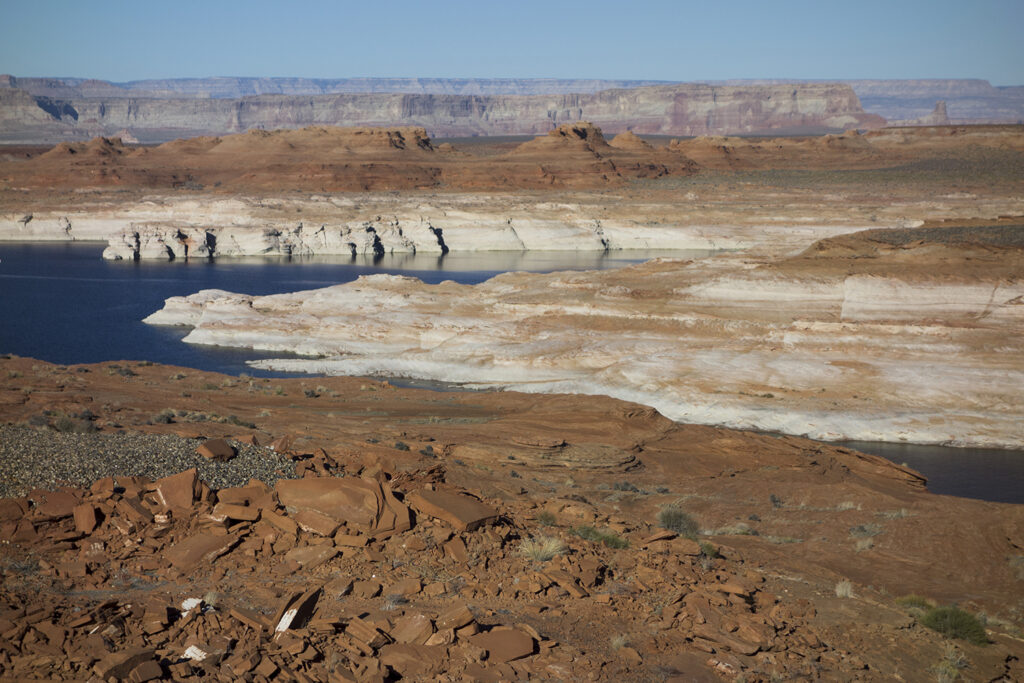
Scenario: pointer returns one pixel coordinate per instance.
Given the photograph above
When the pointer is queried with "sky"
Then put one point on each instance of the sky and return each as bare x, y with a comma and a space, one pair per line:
643, 39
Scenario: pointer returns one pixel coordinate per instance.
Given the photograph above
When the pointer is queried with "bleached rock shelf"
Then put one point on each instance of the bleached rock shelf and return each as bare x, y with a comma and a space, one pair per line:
163, 228
880, 358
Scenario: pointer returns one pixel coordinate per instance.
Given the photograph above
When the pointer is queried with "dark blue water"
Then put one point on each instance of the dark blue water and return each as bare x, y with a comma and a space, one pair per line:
63, 303
985, 473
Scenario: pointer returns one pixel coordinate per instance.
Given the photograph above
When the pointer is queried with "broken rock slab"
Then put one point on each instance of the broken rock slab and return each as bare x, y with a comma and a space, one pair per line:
296, 610
364, 503
120, 664
463, 512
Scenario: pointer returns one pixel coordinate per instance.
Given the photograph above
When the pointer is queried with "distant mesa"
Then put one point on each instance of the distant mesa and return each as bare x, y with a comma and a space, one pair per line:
47, 111
938, 117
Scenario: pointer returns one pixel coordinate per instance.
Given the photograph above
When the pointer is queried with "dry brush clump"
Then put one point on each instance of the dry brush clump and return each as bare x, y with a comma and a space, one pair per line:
542, 548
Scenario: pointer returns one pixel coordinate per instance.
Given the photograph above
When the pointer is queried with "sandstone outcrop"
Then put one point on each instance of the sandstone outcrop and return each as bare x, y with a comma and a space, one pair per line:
330, 159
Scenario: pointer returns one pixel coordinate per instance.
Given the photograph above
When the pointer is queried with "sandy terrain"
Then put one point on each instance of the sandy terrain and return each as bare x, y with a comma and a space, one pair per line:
784, 524
872, 289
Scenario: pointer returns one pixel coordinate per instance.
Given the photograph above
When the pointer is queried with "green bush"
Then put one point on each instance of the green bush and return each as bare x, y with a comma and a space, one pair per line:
709, 551
674, 519
915, 602
954, 622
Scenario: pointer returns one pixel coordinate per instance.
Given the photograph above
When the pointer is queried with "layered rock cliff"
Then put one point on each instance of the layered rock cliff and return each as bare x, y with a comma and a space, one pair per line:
667, 110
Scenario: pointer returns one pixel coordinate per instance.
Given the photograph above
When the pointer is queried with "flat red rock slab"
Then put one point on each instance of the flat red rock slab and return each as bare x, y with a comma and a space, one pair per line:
178, 491
199, 548
461, 511
85, 518
360, 502
504, 644
412, 660
216, 449
311, 555
58, 504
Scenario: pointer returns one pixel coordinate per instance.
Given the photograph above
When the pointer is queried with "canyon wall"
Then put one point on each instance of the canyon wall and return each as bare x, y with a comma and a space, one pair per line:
691, 109
969, 100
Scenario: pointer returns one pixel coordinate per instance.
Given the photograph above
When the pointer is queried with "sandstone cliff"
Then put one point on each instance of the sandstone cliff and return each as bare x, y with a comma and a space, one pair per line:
667, 110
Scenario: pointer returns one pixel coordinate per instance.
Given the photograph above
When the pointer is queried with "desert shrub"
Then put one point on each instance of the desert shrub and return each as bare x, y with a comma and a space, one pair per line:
893, 514
541, 548
401, 446
68, 425
865, 530
235, 420
948, 669
709, 551
310, 393
677, 520
178, 375
863, 544
844, 589
625, 486
954, 622
776, 501
164, 417
428, 451
607, 538
1017, 565
546, 518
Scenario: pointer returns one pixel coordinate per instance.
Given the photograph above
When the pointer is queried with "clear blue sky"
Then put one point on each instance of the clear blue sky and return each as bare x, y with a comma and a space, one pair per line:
645, 39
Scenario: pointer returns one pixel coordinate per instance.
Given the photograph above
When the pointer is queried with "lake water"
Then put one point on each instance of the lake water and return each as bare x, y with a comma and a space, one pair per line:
986, 473
62, 303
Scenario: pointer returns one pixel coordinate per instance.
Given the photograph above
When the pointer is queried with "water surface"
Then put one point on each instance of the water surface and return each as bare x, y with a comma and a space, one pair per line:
62, 303
985, 473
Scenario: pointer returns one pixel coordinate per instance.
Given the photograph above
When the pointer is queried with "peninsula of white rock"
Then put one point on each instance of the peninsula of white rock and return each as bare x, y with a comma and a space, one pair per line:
888, 335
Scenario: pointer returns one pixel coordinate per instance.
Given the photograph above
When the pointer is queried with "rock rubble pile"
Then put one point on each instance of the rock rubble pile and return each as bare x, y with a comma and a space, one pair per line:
358, 574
